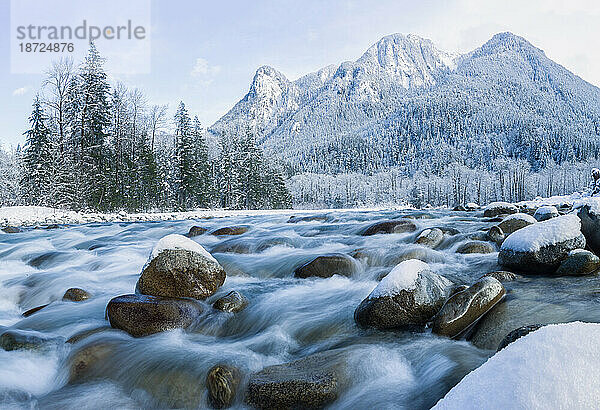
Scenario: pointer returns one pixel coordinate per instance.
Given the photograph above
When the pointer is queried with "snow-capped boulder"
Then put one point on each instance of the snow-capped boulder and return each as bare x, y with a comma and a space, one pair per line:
408, 296
499, 208
515, 222
555, 367
589, 213
579, 262
543, 213
459, 208
398, 226
476, 247
541, 247
325, 266
471, 206
181, 268
430, 237
465, 308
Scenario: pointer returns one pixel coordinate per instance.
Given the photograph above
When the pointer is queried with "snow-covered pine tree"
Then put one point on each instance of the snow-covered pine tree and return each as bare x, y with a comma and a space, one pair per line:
204, 193
252, 173
184, 178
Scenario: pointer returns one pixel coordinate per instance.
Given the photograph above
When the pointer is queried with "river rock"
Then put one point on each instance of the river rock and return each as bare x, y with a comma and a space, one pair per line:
543, 213
398, 226
579, 262
15, 339
408, 296
495, 234
465, 308
222, 382
430, 237
540, 248
517, 334
515, 222
499, 208
501, 275
325, 266
427, 255
86, 362
459, 208
79, 336
230, 230
471, 206
310, 218
233, 302
76, 295
589, 214
34, 310
232, 247
180, 267
11, 229
476, 247
141, 315
308, 383
196, 231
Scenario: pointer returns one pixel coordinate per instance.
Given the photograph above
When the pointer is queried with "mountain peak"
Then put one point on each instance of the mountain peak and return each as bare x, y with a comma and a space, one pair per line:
506, 41
268, 80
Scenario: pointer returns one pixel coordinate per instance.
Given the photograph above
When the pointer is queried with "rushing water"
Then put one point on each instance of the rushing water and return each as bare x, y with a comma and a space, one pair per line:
286, 319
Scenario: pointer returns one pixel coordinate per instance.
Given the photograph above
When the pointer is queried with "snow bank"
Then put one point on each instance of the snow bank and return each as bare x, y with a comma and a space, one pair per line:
593, 203
175, 241
551, 368
534, 237
496, 205
546, 210
404, 276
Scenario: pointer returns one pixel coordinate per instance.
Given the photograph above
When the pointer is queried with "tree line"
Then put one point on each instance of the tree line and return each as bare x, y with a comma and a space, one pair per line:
93, 146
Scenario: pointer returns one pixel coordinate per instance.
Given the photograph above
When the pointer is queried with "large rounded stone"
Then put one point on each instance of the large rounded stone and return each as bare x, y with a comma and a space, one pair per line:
222, 382
181, 273
398, 226
418, 252
476, 247
310, 218
141, 315
326, 266
543, 213
540, 248
517, 334
430, 237
86, 362
230, 230
233, 302
495, 234
75, 295
465, 308
579, 262
589, 214
501, 276
196, 231
408, 296
515, 222
308, 383
499, 208
15, 339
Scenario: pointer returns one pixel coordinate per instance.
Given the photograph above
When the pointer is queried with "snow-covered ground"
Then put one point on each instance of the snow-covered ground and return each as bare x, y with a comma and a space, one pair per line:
39, 215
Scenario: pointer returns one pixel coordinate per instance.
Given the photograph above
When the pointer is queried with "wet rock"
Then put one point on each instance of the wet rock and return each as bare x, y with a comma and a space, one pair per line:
51, 226
25, 340
501, 276
515, 222
308, 383
196, 231
589, 215
185, 269
233, 302
456, 289
517, 334
459, 208
399, 226
478, 236
76, 295
495, 234
230, 230
79, 336
271, 242
579, 262
11, 229
326, 266
544, 213
540, 248
84, 363
34, 310
476, 247
310, 218
499, 208
419, 215
141, 315
465, 308
408, 296
232, 247
423, 254
446, 230
430, 237
222, 382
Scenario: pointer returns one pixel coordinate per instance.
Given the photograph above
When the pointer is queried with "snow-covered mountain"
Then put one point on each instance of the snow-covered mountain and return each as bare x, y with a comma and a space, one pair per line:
405, 103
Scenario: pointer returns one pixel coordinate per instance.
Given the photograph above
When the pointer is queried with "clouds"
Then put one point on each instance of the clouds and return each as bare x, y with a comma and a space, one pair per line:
203, 72
20, 91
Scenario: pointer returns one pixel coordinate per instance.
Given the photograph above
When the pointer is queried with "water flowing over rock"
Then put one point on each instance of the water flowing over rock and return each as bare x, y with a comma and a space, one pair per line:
499, 208
222, 382
309, 383
326, 266
514, 222
579, 262
34, 310
11, 229
179, 267
399, 226
465, 308
232, 302
543, 213
408, 296
196, 231
476, 247
230, 230
540, 248
141, 315
501, 276
495, 234
76, 295
14, 339
430, 237
309, 218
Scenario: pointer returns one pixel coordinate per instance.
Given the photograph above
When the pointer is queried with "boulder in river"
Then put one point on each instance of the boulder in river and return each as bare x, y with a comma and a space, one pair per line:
459, 208
196, 231
76, 295
462, 310
499, 208
309, 218
11, 229
476, 247
397, 226
325, 266
471, 206
495, 234
430, 237
501, 275
515, 222
141, 315
579, 262
543, 213
408, 296
230, 230
15, 339
232, 302
222, 382
85, 361
517, 334
421, 253
309, 383
541, 247
180, 267
34, 310
589, 214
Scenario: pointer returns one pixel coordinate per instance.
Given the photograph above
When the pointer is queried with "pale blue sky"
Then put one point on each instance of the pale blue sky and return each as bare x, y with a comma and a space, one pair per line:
205, 52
